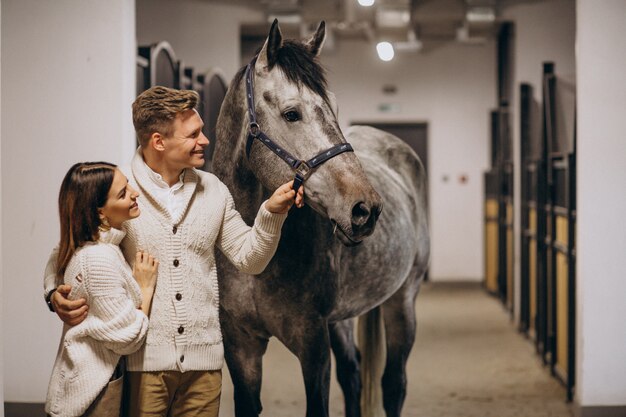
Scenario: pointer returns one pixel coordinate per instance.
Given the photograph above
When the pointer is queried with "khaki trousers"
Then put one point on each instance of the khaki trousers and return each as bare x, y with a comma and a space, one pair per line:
174, 394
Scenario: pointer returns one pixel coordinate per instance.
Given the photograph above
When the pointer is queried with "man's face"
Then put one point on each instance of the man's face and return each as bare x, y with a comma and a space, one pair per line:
185, 147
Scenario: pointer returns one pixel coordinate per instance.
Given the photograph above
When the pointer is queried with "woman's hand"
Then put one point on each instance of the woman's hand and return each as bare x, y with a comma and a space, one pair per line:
283, 198
145, 272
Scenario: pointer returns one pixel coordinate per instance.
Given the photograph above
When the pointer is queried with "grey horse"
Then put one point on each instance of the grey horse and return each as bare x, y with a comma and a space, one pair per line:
341, 256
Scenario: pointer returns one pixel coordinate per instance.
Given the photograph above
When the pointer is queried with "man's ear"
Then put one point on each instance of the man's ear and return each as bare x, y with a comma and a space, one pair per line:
156, 141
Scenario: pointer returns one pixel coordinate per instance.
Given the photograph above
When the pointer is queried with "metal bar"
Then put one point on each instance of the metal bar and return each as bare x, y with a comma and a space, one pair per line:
571, 270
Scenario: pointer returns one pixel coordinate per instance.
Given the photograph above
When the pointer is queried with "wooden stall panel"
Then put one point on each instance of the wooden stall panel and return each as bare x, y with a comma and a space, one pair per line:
562, 289
491, 245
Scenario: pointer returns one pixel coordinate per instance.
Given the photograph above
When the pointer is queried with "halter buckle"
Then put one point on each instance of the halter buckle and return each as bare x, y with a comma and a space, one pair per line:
255, 129
303, 170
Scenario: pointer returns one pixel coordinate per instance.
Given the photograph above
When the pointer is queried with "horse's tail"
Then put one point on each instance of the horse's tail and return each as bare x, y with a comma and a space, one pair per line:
371, 337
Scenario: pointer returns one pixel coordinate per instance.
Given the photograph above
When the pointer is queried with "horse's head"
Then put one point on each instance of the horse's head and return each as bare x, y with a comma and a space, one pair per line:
295, 110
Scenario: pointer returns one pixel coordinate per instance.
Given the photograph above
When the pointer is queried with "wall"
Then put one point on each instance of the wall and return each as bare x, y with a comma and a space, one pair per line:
544, 31
68, 70
452, 88
203, 35
601, 237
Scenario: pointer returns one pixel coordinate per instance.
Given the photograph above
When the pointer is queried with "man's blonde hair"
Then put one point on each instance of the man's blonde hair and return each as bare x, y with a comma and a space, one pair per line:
155, 109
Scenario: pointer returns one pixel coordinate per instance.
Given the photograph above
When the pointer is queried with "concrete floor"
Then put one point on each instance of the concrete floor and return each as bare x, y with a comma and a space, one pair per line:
468, 361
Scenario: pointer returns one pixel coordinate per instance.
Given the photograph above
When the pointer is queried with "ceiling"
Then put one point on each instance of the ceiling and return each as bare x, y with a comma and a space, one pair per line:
408, 24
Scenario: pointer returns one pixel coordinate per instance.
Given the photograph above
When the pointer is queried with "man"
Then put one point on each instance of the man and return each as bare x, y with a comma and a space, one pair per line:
186, 213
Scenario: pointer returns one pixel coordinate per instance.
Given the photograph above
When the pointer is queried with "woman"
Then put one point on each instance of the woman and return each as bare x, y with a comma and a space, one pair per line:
95, 199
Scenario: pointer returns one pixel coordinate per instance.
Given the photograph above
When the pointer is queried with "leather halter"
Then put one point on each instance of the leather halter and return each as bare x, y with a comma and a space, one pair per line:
302, 168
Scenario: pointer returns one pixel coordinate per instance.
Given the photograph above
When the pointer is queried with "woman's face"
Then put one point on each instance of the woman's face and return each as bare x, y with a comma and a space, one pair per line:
121, 204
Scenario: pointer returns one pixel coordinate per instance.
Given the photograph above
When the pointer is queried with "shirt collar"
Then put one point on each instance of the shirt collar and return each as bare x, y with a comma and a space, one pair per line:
157, 179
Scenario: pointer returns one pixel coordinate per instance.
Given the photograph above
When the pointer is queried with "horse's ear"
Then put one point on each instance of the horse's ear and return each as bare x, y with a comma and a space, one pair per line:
317, 40
269, 53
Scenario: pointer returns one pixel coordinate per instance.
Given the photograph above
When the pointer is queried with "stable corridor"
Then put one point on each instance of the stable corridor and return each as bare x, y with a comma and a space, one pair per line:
468, 361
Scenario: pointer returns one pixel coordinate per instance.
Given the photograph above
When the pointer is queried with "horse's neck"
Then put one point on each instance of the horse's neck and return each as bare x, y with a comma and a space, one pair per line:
248, 193
229, 163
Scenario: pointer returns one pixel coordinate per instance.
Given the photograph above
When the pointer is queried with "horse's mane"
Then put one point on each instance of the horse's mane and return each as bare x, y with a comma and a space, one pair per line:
299, 65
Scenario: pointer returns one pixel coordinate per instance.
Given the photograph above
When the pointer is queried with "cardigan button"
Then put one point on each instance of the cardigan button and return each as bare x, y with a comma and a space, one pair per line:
174, 229
181, 330
179, 296
182, 358
176, 263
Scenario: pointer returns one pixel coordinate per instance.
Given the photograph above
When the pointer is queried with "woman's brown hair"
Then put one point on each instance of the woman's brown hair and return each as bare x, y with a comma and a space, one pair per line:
83, 191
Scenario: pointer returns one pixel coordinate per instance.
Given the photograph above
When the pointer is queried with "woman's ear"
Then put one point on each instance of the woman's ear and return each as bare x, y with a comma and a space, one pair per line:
104, 222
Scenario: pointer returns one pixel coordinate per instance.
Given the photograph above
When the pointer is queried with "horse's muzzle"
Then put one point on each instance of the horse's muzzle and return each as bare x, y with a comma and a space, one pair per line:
343, 236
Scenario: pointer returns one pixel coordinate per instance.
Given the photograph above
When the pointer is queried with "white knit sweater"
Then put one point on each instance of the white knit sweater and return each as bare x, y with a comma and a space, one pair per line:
184, 332
89, 352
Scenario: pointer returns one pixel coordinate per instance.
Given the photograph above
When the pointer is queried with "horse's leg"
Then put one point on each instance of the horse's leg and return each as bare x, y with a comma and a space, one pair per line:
244, 354
400, 326
309, 341
348, 369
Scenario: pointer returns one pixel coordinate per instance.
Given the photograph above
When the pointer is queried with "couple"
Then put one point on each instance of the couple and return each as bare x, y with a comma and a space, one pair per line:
174, 346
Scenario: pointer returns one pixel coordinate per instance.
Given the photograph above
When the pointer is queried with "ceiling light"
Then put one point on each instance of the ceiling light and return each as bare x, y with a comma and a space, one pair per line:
481, 15
385, 51
366, 3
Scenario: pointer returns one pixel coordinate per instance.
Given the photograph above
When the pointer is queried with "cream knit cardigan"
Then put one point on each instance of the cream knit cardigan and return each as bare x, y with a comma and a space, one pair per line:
184, 332
115, 326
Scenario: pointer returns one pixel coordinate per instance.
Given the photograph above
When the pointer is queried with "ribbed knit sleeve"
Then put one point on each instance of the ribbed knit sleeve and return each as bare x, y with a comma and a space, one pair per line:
250, 249
50, 275
114, 317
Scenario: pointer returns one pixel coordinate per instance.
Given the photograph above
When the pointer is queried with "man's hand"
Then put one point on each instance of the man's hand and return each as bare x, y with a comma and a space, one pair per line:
71, 312
283, 198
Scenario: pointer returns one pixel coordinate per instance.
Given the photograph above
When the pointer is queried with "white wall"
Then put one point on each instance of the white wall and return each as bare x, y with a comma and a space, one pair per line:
601, 236
203, 35
68, 80
544, 31
452, 88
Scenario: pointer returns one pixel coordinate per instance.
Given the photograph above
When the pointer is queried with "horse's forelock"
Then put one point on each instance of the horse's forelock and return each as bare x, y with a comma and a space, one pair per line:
301, 67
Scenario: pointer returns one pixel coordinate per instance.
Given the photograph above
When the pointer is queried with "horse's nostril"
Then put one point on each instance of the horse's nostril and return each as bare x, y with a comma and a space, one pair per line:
360, 214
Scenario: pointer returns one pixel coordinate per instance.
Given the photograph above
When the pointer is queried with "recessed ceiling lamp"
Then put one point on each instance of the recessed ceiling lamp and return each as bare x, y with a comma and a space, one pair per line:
385, 51
366, 3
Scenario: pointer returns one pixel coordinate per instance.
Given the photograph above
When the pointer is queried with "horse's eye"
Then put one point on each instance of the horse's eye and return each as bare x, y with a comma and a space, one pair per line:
291, 116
